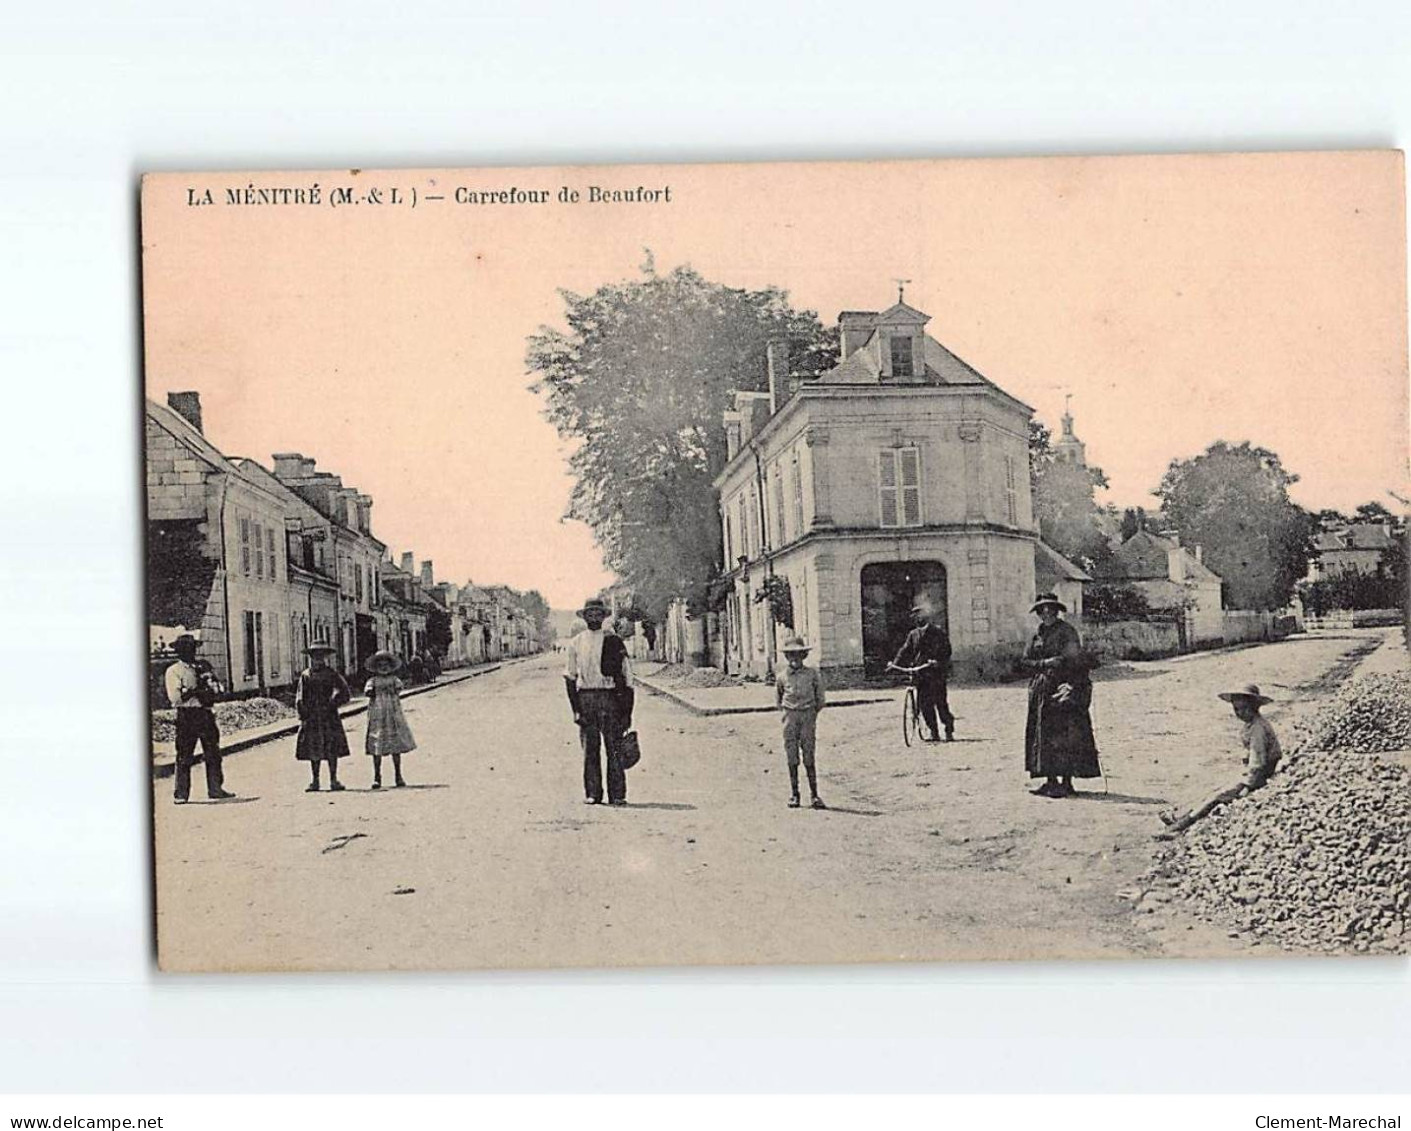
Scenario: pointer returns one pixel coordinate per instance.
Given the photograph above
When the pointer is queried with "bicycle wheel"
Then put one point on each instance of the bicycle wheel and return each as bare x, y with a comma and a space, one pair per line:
910, 716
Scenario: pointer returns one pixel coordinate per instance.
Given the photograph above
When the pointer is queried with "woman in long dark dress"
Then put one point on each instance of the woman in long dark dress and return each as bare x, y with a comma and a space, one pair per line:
322, 690
1058, 741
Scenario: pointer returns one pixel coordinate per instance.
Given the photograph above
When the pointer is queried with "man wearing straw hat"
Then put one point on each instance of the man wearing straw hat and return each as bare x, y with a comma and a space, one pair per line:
192, 688
1258, 738
598, 675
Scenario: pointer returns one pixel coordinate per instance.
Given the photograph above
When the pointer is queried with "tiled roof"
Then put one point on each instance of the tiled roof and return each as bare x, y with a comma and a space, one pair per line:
1146, 557
1048, 562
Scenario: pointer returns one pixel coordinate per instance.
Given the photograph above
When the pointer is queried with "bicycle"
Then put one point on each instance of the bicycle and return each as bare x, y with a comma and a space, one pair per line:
910, 705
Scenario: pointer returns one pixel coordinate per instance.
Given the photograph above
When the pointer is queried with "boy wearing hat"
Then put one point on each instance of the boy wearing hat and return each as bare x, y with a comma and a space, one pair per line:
798, 691
1258, 738
192, 689
598, 677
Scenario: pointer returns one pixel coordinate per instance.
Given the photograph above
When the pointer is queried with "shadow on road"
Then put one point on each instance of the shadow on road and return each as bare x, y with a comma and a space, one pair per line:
855, 812
1112, 675
220, 801
671, 805
1125, 798
400, 788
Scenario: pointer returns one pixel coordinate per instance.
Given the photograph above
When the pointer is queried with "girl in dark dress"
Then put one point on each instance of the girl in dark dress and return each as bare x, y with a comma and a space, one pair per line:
1058, 740
322, 690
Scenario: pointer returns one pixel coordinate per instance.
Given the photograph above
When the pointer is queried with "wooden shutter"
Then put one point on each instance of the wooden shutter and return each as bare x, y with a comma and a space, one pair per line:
887, 485
910, 480
798, 495
245, 546
780, 538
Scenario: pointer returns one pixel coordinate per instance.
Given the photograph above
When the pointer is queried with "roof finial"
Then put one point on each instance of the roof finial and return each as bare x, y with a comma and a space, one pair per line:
901, 285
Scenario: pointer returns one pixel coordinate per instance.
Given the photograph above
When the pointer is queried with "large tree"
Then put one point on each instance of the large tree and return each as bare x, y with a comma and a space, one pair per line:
638, 383
1064, 504
1233, 500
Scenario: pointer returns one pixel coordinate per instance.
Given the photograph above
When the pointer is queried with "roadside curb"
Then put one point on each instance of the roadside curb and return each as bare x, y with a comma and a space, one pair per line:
259, 736
703, 710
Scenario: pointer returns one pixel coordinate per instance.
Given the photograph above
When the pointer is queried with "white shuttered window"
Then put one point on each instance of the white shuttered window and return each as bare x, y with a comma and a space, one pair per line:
899, 486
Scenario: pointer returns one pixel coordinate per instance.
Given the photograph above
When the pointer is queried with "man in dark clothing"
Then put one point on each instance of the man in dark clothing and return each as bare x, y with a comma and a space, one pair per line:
928, 647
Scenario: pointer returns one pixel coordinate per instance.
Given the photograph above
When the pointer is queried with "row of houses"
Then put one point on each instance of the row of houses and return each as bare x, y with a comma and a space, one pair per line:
260, 562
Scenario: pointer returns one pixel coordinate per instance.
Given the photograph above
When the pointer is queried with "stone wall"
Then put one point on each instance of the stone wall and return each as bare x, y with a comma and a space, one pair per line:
176, 478
1132, 639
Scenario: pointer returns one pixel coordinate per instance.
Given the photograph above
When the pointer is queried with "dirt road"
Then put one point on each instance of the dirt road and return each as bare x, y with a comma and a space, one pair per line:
492, 859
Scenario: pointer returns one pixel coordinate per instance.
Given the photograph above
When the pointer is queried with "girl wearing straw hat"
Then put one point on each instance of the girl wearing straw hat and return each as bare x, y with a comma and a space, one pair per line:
387, 730
1058, 738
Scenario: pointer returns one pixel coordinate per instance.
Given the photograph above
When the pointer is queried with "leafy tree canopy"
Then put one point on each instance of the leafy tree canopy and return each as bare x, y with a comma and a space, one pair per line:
1064, 505
1371, 512
1233, 500
638, 384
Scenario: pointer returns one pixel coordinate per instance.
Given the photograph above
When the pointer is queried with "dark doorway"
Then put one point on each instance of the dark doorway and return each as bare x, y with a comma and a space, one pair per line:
366, 639
889, 590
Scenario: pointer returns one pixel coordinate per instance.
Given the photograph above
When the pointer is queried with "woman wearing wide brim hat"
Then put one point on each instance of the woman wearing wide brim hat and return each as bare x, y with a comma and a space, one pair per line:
384, 663
387, 731
1058, 736
322, 690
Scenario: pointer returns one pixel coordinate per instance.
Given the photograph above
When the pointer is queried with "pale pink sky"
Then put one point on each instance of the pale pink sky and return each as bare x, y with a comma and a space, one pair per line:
1179, 300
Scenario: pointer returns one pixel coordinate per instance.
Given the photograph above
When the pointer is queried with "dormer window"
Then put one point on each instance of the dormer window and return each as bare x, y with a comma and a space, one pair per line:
901, 358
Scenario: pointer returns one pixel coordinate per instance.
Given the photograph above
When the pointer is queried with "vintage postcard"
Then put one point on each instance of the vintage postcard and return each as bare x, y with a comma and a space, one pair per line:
797, 563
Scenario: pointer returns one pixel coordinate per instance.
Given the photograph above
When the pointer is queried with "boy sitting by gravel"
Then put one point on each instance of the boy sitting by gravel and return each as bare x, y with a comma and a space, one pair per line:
1258, 738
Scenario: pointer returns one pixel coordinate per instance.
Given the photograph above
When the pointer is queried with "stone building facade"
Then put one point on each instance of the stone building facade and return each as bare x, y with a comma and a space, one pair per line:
902, 472
354, 554
217, 561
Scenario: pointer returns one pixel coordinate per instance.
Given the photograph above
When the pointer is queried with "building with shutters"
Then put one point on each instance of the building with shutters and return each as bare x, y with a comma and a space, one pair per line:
902, 472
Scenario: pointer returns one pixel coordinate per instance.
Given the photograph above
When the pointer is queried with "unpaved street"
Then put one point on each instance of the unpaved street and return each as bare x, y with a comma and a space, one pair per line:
492, 859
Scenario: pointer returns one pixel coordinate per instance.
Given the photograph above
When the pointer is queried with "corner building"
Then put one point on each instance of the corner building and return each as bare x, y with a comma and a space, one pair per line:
901, 472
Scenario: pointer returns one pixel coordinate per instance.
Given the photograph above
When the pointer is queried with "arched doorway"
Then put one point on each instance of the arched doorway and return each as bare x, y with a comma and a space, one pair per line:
889, 590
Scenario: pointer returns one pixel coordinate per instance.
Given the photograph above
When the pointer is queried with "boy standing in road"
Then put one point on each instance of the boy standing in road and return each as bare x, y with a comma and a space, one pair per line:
1258, 738
798, 692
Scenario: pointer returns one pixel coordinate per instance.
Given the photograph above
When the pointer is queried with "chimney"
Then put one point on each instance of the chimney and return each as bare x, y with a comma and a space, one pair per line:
855, 327
1200, 554
365, 513
290, 465
428, 578
188, 407
754, 413
408, 564
777, 353
732, 434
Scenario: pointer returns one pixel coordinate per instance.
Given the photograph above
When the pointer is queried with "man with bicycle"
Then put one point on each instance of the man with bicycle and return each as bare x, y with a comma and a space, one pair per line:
926, 655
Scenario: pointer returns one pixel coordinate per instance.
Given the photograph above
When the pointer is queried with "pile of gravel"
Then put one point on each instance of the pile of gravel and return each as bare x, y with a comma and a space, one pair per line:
1320, 858
1371, 714
238, 714
683, 675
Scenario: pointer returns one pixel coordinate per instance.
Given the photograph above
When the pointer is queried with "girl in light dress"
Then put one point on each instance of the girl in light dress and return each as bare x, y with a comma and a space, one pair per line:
387, 730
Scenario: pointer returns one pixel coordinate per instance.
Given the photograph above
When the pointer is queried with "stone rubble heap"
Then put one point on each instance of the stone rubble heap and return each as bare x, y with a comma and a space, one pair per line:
1320, 859
1371, 714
